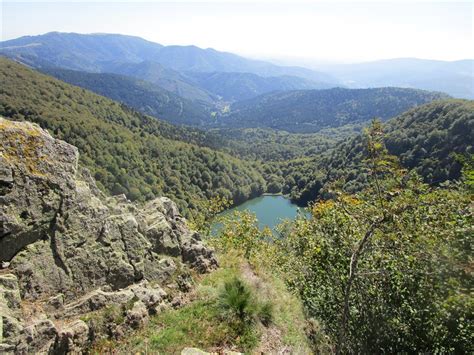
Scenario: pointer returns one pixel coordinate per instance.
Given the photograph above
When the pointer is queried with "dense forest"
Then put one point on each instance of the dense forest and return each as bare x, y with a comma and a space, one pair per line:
127, 152
271, 146
242, 86
166, 78
144, 96
313, 110
429, 139
296, 164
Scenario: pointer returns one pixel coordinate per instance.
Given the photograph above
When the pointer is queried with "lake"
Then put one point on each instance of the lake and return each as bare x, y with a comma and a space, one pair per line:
270, 210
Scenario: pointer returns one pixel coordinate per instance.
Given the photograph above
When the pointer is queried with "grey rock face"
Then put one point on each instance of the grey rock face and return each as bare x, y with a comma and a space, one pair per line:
36, 173
61, 238
10, 326
137, 316
38, 337
10, 293
74, 338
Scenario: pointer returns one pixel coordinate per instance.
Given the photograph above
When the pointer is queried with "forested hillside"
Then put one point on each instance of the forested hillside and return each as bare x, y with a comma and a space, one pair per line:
268, 177
243, 86
156, 161
144, 96
312, 110
382, 264
78, 51
383, 270
427, 139
166, 78
126, 152
272, 146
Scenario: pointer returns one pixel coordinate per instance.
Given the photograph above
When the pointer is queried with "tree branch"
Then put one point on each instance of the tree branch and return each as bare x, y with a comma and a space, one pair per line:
352, 274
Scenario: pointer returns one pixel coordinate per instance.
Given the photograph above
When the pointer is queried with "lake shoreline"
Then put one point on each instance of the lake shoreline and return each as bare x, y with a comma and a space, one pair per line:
270, 208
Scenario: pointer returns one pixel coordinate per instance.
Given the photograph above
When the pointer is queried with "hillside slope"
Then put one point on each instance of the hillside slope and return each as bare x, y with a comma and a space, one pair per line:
307, 111
426, 139
243, 86
127, 152
67, 250
166, 78
145, 97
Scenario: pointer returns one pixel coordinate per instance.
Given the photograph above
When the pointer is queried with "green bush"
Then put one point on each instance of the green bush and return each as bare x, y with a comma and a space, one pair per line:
242, 306
235, 300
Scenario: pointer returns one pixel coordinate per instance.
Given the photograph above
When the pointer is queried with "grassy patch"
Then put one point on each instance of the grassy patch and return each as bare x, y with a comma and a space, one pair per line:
207, 324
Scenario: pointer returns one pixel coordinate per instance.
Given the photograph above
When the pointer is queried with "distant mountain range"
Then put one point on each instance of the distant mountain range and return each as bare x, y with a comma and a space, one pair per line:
79, 52
205, 76
207, 88
97, 52
301, 111
455, 78
242, 86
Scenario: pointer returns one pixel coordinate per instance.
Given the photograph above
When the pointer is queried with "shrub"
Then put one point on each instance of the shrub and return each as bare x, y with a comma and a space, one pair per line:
235, 299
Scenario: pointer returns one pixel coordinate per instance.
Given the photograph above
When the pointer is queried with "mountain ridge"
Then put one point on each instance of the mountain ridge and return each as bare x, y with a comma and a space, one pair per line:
453, 77
203, 59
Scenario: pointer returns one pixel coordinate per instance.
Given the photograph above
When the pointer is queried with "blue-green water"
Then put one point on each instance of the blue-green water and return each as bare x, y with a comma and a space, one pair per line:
270, 210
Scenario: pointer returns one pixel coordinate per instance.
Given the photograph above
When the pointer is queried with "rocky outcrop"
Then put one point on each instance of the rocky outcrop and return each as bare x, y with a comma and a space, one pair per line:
63, 241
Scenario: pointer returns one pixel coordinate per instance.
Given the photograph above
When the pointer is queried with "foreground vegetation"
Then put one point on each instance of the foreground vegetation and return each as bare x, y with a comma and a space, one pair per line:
387, 269
233, 308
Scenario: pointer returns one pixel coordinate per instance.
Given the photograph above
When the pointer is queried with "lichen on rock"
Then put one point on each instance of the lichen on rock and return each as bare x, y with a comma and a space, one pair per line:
59, 235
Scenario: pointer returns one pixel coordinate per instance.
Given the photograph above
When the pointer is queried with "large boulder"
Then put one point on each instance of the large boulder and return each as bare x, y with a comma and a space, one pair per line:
37, 173
61, 238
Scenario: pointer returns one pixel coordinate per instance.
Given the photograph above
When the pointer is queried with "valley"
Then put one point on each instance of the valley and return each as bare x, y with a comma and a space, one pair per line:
143, 189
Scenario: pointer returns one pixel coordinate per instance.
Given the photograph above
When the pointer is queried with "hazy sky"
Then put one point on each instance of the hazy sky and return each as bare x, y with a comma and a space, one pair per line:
316, 30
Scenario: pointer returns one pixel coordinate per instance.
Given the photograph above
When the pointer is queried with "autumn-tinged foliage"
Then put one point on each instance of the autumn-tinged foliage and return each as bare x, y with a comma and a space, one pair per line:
387, 269
384, 263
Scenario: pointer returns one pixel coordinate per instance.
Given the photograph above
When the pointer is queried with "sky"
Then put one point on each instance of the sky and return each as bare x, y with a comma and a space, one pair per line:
286, 31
